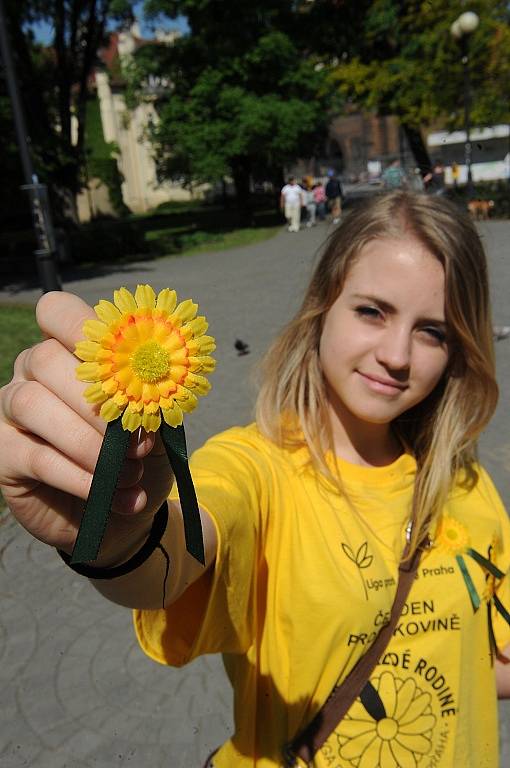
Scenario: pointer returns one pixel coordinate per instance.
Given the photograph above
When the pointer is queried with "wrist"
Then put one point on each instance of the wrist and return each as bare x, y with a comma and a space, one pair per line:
100, 571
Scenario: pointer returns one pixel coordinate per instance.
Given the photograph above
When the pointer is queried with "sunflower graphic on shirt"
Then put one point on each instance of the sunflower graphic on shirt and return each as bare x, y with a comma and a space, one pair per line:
390, 726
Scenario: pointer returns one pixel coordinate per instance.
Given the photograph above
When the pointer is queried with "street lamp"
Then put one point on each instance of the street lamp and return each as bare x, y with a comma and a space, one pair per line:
461, 28
41, 217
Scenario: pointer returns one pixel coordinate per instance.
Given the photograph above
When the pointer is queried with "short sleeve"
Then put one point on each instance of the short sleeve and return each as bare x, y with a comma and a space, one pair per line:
217, 612
502, 559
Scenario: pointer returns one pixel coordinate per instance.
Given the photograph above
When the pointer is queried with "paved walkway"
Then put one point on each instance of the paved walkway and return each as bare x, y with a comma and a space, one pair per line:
76, 690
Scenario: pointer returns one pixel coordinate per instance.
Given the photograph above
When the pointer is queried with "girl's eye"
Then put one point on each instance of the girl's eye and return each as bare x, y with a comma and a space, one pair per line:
368, 312
435, 333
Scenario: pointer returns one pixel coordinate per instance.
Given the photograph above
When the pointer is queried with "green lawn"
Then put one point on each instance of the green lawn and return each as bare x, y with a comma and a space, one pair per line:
18, 330
173, 229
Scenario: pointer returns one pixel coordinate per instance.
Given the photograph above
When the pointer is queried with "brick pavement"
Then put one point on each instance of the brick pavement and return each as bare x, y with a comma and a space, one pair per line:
76, 691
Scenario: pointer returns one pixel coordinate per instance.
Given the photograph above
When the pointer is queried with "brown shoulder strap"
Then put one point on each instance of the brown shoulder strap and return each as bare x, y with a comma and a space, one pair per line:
306, 743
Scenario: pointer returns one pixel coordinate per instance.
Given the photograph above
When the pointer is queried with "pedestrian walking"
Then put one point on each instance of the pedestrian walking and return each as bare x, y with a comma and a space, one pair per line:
319, 195
334, 194
311, 205
455, 171
435, 181
394, 177
291, 200
356, 553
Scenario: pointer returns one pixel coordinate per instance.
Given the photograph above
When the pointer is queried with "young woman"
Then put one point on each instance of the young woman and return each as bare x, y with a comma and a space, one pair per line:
371, 404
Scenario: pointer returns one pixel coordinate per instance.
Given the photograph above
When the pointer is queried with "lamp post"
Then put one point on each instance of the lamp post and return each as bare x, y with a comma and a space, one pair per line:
461, 28
40, 209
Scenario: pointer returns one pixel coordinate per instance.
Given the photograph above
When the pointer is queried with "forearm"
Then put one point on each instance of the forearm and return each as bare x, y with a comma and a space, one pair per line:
166, 573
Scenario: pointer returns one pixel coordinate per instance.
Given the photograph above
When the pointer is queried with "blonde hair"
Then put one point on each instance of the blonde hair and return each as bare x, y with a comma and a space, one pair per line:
441, 432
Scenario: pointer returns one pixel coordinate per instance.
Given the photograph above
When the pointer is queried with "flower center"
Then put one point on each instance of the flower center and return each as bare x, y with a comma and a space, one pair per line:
387, 728
150, 362
452, 534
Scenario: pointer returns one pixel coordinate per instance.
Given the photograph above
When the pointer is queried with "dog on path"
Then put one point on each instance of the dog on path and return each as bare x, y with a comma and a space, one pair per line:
480, 209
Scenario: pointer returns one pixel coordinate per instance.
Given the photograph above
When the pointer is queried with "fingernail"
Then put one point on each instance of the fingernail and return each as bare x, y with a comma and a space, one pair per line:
141, 501
129, 501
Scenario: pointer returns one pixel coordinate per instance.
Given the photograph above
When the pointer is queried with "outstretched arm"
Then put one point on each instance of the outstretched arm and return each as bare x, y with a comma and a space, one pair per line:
53, 438
503, 676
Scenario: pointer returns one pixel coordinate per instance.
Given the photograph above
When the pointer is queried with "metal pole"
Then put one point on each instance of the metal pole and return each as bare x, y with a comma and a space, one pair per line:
467, 116
41, 217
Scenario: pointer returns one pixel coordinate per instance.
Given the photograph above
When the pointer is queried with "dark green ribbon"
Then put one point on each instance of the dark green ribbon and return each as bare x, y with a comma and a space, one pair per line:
174, 440
473, 594
501, 608
485, 563
104, 482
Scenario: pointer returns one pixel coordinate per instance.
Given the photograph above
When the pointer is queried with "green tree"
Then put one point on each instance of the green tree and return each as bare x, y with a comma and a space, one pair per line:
54, 83
245, 98
399, 58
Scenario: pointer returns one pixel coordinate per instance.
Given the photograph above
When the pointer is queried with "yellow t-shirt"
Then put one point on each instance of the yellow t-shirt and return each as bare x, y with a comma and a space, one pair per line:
301, 585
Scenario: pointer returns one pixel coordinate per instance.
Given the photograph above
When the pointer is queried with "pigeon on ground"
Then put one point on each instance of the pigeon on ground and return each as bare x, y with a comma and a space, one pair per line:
501, 332
242, 347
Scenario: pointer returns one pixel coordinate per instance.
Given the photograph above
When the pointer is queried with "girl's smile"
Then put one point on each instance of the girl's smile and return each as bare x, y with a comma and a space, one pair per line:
384, 343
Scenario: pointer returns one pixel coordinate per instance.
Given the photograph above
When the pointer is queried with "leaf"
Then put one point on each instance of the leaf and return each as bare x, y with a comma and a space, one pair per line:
366, 562
361, 553
348, 551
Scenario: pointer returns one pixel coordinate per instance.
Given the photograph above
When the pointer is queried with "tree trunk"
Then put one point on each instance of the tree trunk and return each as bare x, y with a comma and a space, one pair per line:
278, 179
241, 171
418, 148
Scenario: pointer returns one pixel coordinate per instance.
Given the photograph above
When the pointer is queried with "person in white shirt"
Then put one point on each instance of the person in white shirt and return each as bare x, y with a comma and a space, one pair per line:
291, 200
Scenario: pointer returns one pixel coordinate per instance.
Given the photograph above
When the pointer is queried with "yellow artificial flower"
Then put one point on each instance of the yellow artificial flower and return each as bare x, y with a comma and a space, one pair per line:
451, 536
145, 356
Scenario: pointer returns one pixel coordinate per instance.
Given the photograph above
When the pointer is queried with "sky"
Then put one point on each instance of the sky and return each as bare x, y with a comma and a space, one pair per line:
44, 32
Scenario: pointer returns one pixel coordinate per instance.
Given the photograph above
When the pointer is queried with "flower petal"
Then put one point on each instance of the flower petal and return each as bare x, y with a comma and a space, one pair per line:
151, 422
203, 345
150, 392
145, 296
422, 724
87, 371
414, 743
199, 383
416, 708
135, 388
172, 416
125, 375
125, 301
131, 421
173, 342
120, 399
110, 411
204, 364
187, 402
386, 758
405, 698
194, 328
178, 373
107, 312
94, 393
110, 386
356, 746
371, 755
94, 330
350, 728
402, 755
167, 300
87, 350
184, 311
179, 357
166, 387
387, 692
